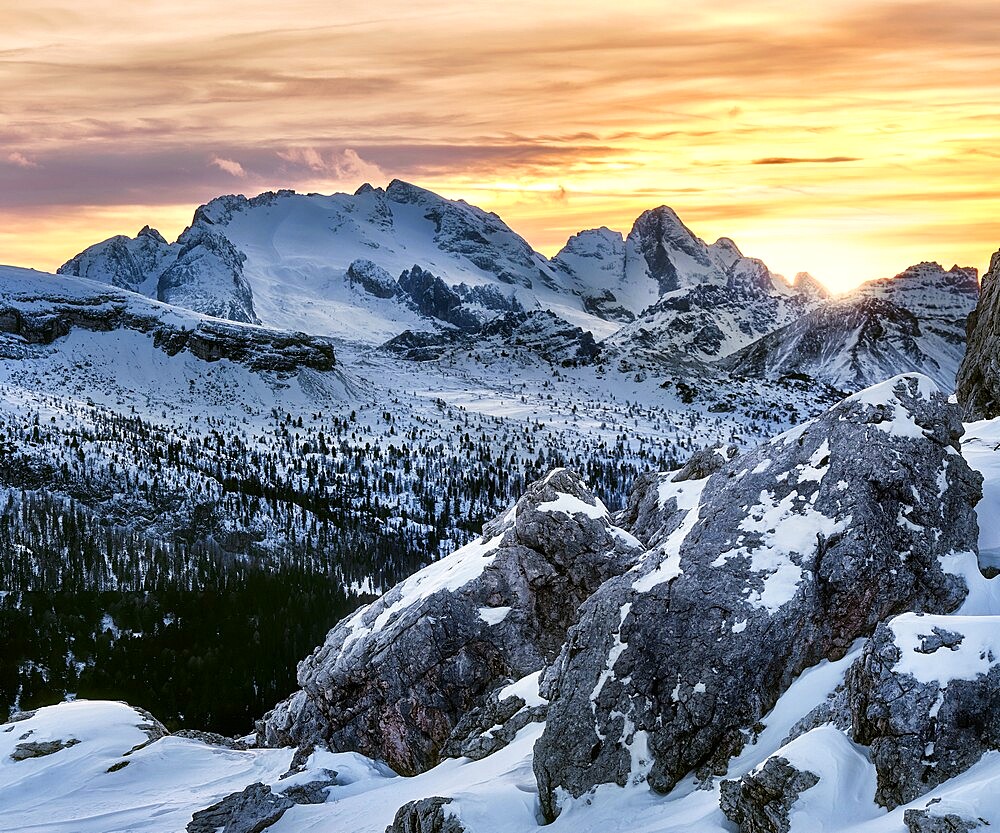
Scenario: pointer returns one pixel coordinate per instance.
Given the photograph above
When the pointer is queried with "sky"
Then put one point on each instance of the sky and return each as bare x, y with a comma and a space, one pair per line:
847, 139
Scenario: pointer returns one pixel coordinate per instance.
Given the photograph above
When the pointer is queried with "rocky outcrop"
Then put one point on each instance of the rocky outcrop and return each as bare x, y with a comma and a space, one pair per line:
791, 553
372, 278
927, 821
925, 696
432, 297
978, 386
493, 725
426, 815
761, 801
395, 679
39, 749
538, 333
41, 311
207, 277
250, 811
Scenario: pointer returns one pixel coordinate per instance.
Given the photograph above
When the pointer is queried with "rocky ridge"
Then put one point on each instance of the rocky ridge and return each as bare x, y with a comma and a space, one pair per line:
978, 385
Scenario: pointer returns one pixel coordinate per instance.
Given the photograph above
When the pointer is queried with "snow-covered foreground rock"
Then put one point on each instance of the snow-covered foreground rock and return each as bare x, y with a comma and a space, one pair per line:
853, 687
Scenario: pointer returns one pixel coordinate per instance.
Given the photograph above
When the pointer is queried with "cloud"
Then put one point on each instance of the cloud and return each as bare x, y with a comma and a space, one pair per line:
22, 161
793, 160
344, 165
229, 166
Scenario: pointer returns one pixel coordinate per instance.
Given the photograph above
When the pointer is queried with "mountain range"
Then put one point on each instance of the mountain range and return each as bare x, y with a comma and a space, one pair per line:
398, 525
374, 265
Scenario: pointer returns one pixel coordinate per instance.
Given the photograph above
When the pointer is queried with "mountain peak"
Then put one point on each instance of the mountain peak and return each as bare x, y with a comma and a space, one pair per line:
805, 284
151, 233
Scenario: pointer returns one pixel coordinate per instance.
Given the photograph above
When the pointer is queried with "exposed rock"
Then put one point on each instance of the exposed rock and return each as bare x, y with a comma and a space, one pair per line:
312, 792
978, 386
761, 801
925, 821
128, 263
539, 333
791, 553
394, 680
925, 696
51, 309
254, 809
39, 749
372, 278
490, 727
207, 277
210, 738
431, 296
426, 815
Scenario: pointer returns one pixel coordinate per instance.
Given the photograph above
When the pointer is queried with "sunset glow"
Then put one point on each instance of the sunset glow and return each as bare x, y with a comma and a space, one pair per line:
848, 140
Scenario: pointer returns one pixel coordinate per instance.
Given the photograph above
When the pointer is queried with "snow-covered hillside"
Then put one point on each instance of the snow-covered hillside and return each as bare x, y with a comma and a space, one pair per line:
828, 754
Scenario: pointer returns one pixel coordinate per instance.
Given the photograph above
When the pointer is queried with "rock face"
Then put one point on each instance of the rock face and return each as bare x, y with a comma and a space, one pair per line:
925, 697
788, 554
978, 386
372, 278
539, 333
761, 801
126, 262
395, 679
736, 302
41, 310
207, 276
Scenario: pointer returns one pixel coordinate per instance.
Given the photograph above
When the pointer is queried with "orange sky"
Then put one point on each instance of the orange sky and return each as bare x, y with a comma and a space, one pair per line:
849, 139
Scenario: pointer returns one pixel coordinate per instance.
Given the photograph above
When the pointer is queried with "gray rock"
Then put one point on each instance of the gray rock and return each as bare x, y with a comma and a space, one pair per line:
490, 727
313, 792
921, 733
426, 815
39, 749
372, 278
210, 738
793, 553
395, 679
250, 811
978, 385
924, 821
761, 801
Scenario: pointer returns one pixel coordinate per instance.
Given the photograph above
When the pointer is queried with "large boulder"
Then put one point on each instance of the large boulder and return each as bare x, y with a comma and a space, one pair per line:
790, 553
978, 386
761, 801
425, 815
925, 696
394, 680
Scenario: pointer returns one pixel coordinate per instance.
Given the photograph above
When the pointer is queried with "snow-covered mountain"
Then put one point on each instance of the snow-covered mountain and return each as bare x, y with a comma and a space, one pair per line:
403, 262
915, 321
326, 264
370, 265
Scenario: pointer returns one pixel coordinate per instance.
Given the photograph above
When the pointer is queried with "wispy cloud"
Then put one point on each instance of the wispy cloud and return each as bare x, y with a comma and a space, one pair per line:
22, 161
230, 166
792, 160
